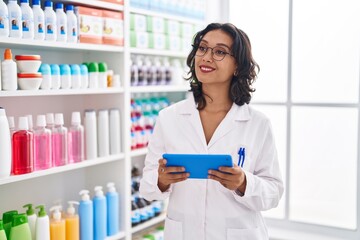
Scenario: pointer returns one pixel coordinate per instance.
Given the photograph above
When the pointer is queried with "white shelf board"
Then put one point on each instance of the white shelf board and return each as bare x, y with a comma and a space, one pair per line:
68, 167
138, 152
117, 236
157, 52
94, 3
149, 223
88, 91
154, 13
36, 45
160, 88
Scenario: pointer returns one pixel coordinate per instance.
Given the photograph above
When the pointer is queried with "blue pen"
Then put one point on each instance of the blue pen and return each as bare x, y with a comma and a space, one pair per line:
241, 156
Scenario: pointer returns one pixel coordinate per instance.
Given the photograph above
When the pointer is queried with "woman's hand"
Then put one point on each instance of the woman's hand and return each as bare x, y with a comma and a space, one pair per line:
169, 175
232, 178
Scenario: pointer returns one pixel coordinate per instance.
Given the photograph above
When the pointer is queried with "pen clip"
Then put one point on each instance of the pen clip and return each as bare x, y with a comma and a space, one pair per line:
243, 157
240, 152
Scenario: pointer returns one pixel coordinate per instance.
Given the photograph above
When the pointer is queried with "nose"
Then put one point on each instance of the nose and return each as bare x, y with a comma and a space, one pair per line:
208, 55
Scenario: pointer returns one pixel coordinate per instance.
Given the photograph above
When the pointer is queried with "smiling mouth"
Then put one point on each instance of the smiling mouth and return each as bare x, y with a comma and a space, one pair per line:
206, 69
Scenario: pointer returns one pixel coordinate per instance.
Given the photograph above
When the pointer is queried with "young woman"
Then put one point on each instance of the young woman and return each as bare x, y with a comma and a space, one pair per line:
216, 119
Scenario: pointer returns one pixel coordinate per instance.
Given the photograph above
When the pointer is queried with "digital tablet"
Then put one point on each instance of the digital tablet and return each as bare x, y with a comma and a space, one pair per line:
198, 164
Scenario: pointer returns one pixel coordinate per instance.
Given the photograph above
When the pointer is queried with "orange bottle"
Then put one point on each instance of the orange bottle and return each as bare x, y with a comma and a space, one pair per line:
72, 222
57, 224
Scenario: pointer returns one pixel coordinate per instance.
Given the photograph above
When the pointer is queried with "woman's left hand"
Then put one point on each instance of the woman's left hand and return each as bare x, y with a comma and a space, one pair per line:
233, 178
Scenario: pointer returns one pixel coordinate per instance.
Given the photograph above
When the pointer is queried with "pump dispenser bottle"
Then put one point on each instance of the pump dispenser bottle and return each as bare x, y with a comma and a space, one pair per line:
72, 222
112, 205
59, 141
42, 145
7, 221
2, 231
100, 218
5, 145
31, 218
20, 228
76, 139
42, 230
86, 213
57, 224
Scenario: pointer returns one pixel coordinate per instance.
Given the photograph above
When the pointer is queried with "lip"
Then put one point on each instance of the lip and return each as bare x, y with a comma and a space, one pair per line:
206, 69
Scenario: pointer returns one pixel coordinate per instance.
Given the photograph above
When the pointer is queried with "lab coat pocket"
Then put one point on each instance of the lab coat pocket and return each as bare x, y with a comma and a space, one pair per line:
244, 234
173, 230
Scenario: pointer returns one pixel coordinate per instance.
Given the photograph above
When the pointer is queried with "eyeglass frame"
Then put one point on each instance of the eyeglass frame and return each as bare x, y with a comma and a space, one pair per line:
212, 52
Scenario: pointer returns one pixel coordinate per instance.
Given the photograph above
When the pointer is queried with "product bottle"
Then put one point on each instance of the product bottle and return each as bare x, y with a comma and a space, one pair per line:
100, 218
11, 121
59, 141
151, 72
42, 145
5, 145
168, 71
55, 76
57, 224
103, 133
134, 79
42, 230
86, 214
8, 72
84, 76
61, 21
76, 139
135, 213
4, 24
148, 127
2, 231
30, 122
7, 220
72, 31
93, 69
112, 204
72, 222
50, 22
31, 216
23, 146
15, 27
65, 76
20, 228
46, 82
90, 134
102, 75
39, 21
50, 122
75, 76
142, 71
115, 134
27, 20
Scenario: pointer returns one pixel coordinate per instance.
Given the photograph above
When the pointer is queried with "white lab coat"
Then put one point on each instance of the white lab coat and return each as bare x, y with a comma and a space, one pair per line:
201, 209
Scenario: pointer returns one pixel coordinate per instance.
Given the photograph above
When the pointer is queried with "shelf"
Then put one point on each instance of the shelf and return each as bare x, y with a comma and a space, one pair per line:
149, 223
88, 91
94, 3
69, 167
164, 88
138, 152
117, 236
36, 45
157, 52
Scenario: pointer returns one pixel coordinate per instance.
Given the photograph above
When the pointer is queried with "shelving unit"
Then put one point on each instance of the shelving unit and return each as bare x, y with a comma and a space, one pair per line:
148, 223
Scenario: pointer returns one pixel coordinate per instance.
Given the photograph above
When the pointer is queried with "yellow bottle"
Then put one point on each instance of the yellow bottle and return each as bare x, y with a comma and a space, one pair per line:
72, 222
57, 224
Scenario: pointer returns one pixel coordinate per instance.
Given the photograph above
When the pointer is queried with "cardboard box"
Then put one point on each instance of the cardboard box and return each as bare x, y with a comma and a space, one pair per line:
172, 27
155, 24
139, 39
173, 43
157, 41
138, 22
187, 30
113, 28
90, 25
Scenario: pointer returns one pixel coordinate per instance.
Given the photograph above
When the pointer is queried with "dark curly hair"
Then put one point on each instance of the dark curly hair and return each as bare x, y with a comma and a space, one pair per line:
246, 71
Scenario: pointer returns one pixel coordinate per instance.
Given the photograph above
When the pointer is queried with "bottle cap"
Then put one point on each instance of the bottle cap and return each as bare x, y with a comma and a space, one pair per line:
75, 69
19, 219
1, 225
49, 118
84, 69
11, 121
56, 213
7, 54
71, 209
59, 119
23, 123
93, 67
84, 195
69, 7
65, 69
42, 212
59, 6
55, 69
2, 112
102, 67
75, 117
98, 191
8, 216
41, 121
36, 2
45, 69
48, 4
111, 187
103, 112
30, 210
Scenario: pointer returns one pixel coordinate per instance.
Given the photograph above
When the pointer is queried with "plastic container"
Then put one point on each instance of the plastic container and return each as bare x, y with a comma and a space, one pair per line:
15, 26
115, 132
84, 76
42, 145
103, 133
23, 146
30, 122
57, 224
4, 24
50, 22
7, 220
8, 72
90, 134
59, 141
102, 75
27, 20
72, 222
112, 204
29, 81
100, 218
61, 21
39, 21
47, 82
42, 230
55, 76
20, 228
31, 216
65, 76
86, 214
2, 231
75, 76
76, 139
28, 63
93, 70
72, 24
5, 145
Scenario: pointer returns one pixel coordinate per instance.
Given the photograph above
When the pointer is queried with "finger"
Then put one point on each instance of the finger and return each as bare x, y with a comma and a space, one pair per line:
175, 169
233, 170
177, 176
162, 162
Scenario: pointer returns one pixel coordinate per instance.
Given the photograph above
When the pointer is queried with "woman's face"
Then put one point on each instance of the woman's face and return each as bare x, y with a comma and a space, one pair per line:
208, 70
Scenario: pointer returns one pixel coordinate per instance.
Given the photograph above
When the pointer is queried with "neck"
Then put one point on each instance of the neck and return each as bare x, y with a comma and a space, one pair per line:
217, 98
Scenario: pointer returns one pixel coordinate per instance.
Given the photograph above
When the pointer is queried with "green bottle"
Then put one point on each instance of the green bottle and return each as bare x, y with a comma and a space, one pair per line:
2, 231
20, 228
7, 221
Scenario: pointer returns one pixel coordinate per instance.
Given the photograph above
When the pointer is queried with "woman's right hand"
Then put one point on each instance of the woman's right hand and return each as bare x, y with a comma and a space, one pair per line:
169, 175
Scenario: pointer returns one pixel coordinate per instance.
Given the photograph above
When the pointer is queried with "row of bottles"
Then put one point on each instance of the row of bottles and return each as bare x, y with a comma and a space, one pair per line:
154, 233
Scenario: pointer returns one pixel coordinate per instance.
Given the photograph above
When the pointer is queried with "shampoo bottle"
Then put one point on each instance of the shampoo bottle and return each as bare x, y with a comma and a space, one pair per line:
7, 221
90, 134
2, 231
57, 224
42, 230
5, 145
31, 219
42, 145
112, 204
100, 218
8, 72
4, 25
20, 228
76, 139
59, 141
115, 132
39, 21
72, 222
103, 133
86, 214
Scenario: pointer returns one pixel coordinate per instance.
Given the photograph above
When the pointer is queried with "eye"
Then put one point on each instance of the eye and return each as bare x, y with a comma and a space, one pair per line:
220, 52
202, 48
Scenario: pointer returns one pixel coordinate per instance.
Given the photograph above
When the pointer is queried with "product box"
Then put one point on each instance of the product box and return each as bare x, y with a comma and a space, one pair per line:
113, 28
187, 30
120, 2
90, 25
145, 4
173, 43
138, 22
155, 24
172, 27
186, 44
157, 41
139, 39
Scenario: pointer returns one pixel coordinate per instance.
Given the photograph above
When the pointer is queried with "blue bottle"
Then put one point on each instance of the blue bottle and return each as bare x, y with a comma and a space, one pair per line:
86, 215
99, 214
112, 204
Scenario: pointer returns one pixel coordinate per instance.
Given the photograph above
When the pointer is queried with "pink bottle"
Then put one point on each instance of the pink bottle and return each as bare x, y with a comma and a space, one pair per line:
22, 148
59, 141
42, 145
76, 139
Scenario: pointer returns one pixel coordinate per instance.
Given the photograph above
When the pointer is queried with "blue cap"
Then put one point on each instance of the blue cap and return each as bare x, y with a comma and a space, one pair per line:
65, 69
84, 69
48, 4
36, 2
55, 69
75, 69
69, 7
45, 69
24, 1
59, 6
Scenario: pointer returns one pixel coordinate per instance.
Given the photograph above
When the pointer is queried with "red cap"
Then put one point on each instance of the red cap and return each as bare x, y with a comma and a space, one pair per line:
27, 57
29, 75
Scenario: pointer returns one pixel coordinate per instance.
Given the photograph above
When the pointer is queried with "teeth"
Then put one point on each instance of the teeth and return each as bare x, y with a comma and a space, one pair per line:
206, 69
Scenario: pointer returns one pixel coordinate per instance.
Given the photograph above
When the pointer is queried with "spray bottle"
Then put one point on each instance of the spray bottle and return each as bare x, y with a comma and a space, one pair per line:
72, 222
86, 214
31, 218
42, 230
57, 224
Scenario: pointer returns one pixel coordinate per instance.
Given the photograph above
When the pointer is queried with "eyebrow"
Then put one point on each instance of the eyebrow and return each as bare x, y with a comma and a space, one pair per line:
218, 44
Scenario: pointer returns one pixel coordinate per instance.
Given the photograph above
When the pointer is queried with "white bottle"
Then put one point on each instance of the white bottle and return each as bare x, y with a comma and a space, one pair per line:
5, 145
27, 20
8, 72
42, 229
65, 75
90, 134
75, 76
103, 133
15, 26
61, 21
31, 216
72, 24
11, 121
115, 139
50, 22
39, 21
4, 23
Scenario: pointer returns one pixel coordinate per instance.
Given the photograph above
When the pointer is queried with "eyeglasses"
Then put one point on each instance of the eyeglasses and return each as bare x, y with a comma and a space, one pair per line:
217, 53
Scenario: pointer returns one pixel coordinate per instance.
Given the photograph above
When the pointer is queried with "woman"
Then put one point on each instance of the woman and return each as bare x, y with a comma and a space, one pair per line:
216, 120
